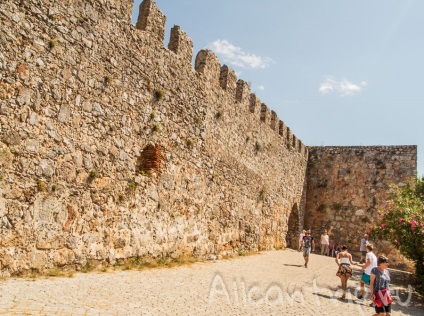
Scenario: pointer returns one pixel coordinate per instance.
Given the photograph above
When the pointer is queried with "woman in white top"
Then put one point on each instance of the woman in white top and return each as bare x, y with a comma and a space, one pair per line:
345, 270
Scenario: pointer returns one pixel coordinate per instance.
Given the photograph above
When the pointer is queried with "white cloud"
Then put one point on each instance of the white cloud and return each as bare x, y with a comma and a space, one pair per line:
237, 57
343, 87
261, 87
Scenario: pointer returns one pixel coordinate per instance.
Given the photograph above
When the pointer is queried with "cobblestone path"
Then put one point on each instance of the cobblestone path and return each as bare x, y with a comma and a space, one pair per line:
270, 283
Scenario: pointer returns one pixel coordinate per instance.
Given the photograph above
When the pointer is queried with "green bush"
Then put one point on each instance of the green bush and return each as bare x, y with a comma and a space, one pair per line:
190, 143
107, 80
156, 128
263, 194
402, 223
159, 94
94, 174
258, 145
41, 186
321, 208
51, 44
336, 206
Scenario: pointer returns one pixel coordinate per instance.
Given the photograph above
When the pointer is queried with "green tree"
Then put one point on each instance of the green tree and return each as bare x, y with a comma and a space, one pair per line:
402, 223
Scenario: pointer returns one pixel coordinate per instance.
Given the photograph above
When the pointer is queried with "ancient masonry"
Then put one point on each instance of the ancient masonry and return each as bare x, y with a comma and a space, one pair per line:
113, 146
347, 185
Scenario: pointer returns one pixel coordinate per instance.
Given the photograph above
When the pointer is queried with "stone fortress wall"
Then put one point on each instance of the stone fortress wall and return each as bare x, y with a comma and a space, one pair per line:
348, 185
113, 146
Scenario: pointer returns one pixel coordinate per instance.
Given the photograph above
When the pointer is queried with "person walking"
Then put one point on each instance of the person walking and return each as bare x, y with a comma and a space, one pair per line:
308, 244
331, 248
344, 272
302, 234
370, 263
379, 287
363, 248
337, 250
325, 241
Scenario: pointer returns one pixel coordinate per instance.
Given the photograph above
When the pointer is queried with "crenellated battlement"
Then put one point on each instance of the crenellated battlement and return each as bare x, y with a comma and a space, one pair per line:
265, 114
289, 138
274, 121
282, 130
152, 20
228, 80
207, 63
295, 144
243, 93
181, 44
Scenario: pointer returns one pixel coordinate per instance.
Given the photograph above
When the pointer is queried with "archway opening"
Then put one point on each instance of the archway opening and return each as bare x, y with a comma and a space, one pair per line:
292, 237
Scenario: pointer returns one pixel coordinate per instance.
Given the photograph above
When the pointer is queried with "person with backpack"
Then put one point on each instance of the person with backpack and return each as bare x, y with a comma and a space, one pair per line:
308, 245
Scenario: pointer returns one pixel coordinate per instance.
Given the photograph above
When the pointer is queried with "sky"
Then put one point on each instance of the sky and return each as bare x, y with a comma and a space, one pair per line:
338, 73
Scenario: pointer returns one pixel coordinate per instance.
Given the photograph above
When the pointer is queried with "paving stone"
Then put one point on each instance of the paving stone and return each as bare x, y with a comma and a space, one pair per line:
248, 285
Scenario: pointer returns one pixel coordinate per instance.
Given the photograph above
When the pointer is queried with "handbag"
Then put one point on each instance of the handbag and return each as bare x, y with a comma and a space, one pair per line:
383, 297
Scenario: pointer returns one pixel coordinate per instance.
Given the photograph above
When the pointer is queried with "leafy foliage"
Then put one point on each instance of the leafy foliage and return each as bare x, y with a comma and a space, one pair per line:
159, 94
402, 223
93, 174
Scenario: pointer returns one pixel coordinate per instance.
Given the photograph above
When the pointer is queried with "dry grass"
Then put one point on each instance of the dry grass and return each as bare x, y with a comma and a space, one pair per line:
240, 253
141, 263
55, 272
135, 263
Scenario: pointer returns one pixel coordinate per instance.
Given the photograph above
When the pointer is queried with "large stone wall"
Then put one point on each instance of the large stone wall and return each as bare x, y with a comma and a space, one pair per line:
113, 146
346, 186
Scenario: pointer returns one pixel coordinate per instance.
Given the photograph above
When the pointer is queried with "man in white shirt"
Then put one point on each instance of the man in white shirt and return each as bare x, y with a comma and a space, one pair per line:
302, 234
370, 263
325, 240
363, 248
